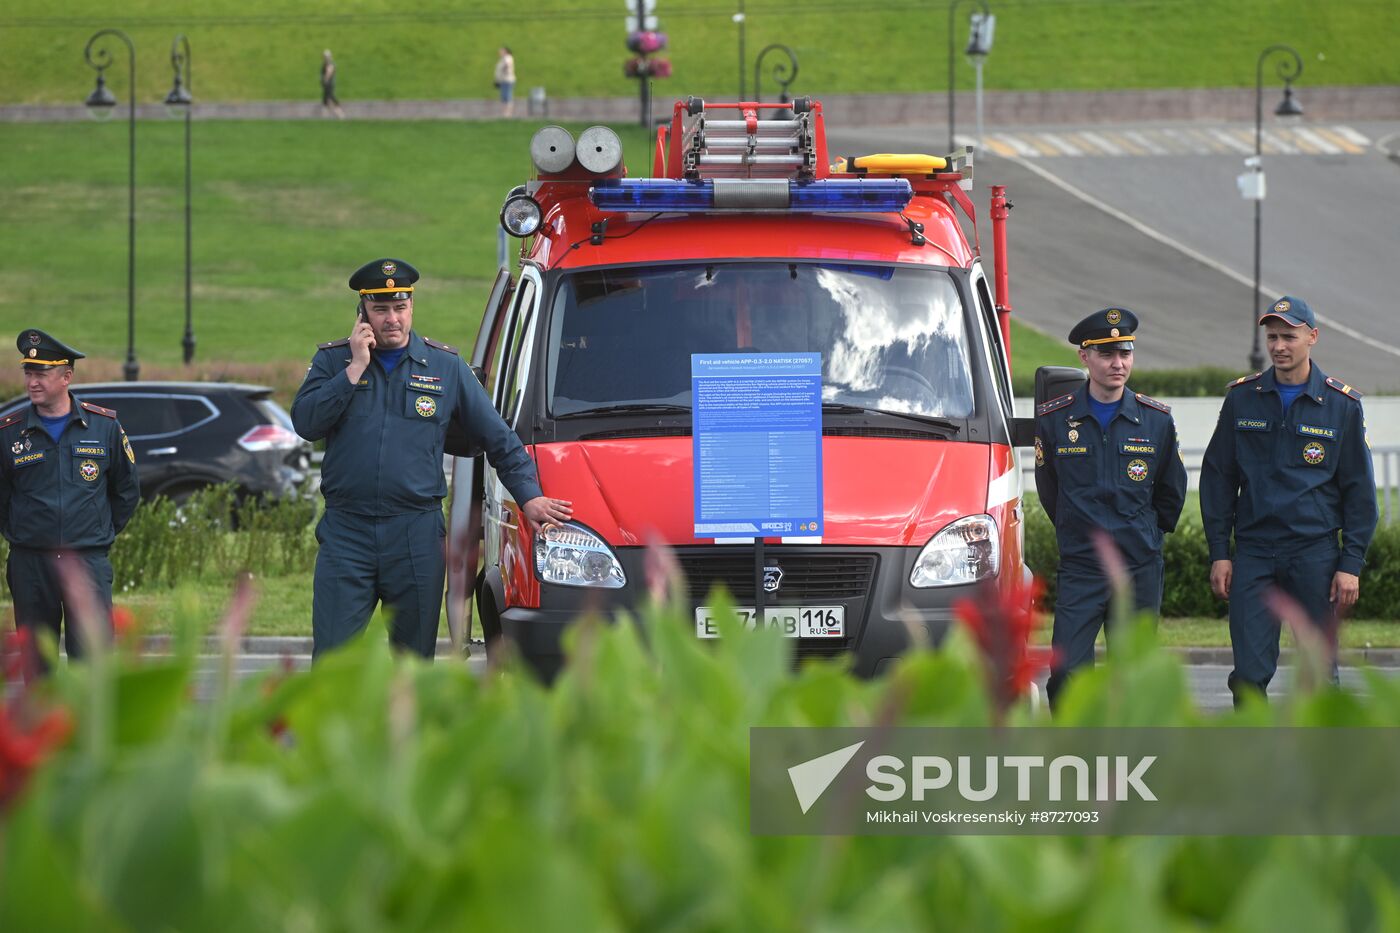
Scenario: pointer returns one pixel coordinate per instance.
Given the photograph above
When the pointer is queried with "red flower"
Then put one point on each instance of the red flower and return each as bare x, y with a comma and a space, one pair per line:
24, 749
19, 657
1001, 621
122, 621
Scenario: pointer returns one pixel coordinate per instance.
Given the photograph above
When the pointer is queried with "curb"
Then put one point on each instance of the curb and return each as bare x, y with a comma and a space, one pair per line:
300, 645
1001, 108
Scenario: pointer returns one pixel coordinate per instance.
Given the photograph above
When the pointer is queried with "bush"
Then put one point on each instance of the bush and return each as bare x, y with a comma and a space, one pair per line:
374, 794
1199, 381
1186, 589
165, 544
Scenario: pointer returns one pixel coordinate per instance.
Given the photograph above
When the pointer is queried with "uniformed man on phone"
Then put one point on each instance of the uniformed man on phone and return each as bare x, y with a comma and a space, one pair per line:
68, 486
382, 399
1105, 458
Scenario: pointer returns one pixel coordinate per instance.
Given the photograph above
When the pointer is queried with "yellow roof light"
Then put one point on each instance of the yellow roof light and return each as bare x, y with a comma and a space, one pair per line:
892, 163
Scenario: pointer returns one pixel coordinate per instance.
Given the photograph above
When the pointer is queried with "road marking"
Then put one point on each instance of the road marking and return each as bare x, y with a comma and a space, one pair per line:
999, 147
1060, 143
1142, 140
1018, 144
1352, 135
1122, 141
1337, 139
1190, 253
1274, 142
1317, 140
1231, 142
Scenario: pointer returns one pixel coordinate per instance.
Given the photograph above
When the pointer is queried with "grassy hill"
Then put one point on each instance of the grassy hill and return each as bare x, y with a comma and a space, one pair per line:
267, 49
283, 212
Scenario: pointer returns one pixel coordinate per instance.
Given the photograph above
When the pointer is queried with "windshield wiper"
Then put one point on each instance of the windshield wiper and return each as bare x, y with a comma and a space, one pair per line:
644, 408
932, 421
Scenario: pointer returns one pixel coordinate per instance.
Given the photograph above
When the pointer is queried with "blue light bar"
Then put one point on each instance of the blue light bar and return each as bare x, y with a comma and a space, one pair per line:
855, 195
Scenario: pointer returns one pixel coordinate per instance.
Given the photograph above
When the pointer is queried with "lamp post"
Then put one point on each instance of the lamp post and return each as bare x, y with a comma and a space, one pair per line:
952, 20
739, 20
100, 103
979, 46
783, 72
1288, 68
181, 97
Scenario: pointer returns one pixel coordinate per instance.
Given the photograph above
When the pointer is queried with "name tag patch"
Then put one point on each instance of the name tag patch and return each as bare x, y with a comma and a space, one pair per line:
99, 452
31, 458
1311, 430
1135, 448
1071, 451
417, 386
1251, 424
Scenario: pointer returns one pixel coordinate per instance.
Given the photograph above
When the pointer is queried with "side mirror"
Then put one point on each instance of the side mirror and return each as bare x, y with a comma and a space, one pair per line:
480, 373
1050, 382
1053, 381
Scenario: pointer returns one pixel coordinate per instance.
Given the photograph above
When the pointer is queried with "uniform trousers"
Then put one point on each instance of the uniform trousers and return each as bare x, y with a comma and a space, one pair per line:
40, 602
1083, 594
400, 560
1304, 572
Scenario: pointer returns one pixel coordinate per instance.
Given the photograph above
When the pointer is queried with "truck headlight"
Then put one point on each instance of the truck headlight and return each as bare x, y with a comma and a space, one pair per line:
574, 556
966, 551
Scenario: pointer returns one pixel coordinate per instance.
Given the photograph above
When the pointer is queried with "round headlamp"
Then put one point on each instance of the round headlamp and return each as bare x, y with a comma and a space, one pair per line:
521, 215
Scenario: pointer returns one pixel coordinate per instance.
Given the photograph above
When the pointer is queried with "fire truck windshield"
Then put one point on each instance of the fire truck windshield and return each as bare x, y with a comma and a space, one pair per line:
890, 338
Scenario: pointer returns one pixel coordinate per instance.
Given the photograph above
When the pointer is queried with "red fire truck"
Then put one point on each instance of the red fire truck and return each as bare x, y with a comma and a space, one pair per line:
749, 237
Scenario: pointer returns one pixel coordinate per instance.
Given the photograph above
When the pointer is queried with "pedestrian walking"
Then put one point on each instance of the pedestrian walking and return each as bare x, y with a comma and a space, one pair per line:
329, 102
1287, 472
382, 399
504, 79
1105, 458
68, 487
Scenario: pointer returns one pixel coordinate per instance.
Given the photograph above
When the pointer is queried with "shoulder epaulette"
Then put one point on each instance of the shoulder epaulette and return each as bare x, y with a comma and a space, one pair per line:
343, 341
1055, 403
1343, 388
12, 418
1243, 379
99, 410
1151, 402
439, 345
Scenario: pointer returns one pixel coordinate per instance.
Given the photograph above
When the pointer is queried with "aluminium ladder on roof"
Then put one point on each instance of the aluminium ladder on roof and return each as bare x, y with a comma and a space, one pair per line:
750, 148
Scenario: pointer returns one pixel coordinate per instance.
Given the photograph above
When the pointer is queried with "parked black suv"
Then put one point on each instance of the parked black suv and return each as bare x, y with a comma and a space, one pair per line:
188, 435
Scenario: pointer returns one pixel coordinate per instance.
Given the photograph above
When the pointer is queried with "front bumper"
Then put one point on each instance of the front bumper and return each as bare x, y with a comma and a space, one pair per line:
885, 616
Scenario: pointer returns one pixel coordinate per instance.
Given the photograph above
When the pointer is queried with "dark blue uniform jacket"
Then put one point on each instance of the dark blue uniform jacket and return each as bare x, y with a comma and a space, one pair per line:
75, 493
1128, 480
384, 436
1279, 482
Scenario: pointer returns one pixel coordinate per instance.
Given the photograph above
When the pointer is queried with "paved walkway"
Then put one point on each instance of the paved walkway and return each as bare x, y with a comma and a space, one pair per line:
1001, 108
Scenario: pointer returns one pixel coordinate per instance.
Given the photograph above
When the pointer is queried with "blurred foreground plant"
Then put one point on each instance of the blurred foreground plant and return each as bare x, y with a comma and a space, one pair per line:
377, 792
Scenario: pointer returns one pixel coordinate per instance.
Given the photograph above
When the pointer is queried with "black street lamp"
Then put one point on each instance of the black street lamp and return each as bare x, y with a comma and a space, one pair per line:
100, 103
783, 72
181, 98
1288, 69
952, 22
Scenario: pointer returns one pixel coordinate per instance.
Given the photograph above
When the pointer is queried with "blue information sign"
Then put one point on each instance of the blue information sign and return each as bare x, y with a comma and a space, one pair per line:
758, 444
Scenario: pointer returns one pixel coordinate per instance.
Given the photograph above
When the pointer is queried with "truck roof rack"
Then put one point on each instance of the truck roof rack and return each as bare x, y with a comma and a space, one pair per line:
739, 141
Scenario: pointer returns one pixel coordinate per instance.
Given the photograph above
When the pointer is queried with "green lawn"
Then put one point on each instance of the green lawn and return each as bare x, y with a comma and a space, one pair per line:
284, 608
283, 212
264, 49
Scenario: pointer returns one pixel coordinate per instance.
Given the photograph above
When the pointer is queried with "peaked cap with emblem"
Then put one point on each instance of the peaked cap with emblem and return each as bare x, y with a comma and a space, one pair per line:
37, 348
1109, 326
384, 280
1292, 311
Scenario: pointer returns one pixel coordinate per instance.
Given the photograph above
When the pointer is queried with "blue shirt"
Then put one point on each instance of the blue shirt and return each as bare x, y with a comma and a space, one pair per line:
1103, 411
390, 358
55, 426
1288, 393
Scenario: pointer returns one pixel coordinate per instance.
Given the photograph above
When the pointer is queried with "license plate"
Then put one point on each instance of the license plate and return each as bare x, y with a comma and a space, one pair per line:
792, 621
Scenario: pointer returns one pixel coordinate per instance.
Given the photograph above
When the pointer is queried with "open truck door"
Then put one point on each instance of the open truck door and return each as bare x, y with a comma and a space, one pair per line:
464, 519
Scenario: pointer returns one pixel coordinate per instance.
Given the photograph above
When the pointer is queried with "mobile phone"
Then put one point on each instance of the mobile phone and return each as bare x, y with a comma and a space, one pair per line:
360, 313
